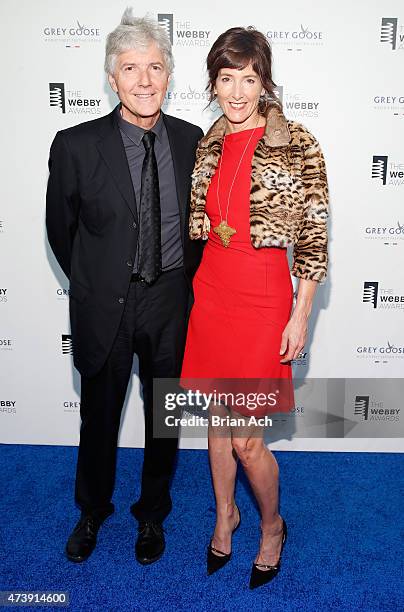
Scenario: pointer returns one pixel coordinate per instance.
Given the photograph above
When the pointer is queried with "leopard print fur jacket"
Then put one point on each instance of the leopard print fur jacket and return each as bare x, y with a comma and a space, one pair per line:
288, 195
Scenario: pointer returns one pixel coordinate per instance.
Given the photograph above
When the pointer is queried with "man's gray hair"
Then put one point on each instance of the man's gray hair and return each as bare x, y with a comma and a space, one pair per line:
136, 33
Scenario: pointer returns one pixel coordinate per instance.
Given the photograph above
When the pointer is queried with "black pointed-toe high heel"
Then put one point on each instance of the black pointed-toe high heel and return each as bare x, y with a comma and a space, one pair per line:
214, 561
260, 577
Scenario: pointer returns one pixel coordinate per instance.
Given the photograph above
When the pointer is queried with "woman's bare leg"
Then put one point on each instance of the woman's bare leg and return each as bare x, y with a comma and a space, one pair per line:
262, 471
223, 463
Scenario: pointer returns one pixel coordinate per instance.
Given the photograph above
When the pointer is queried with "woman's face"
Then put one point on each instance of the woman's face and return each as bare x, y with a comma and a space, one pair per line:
238, 93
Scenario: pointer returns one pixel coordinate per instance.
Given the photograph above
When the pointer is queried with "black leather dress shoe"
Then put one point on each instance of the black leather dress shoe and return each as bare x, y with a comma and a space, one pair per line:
150, 543
83, 539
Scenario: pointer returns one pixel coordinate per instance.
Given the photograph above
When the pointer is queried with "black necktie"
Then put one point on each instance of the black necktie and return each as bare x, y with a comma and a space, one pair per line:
149, 266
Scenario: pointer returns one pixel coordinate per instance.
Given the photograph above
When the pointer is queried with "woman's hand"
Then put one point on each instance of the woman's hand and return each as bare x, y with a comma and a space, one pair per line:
295, 333
294, 337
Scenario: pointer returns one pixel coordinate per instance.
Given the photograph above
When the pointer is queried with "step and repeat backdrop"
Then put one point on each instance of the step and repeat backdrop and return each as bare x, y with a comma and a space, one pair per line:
339, 69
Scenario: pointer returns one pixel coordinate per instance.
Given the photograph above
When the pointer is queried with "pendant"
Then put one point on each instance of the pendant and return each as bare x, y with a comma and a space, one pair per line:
225, 232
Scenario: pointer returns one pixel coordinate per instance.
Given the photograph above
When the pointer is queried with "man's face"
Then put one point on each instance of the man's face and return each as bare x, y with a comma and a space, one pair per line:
140, 79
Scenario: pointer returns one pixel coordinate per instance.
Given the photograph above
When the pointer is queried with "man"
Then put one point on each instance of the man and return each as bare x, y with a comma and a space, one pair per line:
117, 221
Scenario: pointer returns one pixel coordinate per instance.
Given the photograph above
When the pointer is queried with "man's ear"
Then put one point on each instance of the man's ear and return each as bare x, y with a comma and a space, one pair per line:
112, 82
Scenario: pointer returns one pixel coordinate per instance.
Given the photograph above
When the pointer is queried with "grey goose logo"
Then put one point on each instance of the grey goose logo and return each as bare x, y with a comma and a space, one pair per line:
6, 344
166, 21
388, 31
379, 168
67, 347
62, 293
389, 101
303, 36
388, 234
57, 96
370, 291
79, 30
71, 36
362, 406
380, 353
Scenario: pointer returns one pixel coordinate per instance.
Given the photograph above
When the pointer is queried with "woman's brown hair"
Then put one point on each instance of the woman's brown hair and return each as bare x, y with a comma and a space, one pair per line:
236, 48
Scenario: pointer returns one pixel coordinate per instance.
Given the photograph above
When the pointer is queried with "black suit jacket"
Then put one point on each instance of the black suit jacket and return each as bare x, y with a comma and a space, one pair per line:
92, 225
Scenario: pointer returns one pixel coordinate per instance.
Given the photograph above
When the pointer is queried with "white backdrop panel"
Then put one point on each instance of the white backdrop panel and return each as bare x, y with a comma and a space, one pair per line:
340, 71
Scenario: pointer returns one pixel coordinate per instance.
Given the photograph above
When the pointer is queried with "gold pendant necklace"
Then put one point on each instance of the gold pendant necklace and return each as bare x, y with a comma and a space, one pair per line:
223, 230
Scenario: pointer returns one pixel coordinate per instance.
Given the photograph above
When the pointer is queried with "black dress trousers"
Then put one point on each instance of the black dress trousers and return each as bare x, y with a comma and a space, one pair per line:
153, 326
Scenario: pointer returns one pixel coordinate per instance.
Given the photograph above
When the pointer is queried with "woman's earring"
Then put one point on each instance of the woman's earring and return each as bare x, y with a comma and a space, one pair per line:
214, 109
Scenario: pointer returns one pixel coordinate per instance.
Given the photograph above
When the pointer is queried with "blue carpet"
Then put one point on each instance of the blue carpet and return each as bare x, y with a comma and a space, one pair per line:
343, 551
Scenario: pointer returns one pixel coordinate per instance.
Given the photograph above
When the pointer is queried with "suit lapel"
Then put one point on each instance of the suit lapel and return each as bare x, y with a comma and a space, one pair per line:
113, 153
179, 157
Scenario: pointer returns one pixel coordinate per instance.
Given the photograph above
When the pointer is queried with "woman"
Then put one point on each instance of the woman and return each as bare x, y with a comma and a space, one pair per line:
259, 185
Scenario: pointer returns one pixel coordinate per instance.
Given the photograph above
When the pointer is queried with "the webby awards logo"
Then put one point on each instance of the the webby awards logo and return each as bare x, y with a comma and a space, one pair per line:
67, 346
183, 32
385, 298
392, 33
387, 172
369, 408
72, 101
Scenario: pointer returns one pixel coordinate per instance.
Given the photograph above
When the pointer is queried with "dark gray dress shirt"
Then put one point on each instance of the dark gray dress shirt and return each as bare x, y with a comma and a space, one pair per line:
171, 246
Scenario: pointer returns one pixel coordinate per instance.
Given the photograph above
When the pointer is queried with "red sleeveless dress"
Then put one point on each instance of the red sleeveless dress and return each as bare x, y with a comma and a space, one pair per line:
243, 297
